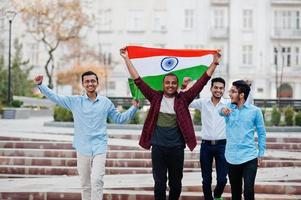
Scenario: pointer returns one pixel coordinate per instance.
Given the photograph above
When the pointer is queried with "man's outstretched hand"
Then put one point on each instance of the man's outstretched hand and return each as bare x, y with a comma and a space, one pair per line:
38, 79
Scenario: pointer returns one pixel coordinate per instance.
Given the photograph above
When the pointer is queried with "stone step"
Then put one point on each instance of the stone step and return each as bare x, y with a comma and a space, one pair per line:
136, 137
125, 194
71, 171
121, 162
68, 145
69, 153
134, 154
51, 145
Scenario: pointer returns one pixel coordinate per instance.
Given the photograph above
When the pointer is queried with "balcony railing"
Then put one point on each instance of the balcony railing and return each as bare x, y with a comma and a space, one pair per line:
286, 2
286, 33
220, 2
219, 32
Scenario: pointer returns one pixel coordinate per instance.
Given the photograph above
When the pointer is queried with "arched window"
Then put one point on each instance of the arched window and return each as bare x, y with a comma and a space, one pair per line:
285, 91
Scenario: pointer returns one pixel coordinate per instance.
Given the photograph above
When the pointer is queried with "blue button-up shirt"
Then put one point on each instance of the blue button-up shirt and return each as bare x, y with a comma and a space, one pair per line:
90, 119
240, 128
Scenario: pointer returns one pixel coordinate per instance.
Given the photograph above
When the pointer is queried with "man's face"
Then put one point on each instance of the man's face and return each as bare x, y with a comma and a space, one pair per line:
234, 95
170, 85
217, 90
90, 83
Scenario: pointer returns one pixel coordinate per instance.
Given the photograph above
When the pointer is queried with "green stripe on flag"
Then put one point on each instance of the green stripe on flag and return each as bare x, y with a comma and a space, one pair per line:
155, 82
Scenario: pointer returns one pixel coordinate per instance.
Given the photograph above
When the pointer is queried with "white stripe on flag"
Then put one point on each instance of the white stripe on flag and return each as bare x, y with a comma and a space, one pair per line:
151, 66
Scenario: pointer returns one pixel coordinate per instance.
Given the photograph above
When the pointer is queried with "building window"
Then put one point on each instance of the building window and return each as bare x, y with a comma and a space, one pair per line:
219, 18
260, 90
275, 56
247, 19
188, 19
105, 51
105, 20
247, 55
159, 21
288, 56
297, 56
135, 20
287, 19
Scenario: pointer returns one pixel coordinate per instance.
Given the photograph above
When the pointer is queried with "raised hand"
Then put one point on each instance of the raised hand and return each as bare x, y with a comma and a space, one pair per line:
38, 79
217, 57
226, 111
135, 103
124, 53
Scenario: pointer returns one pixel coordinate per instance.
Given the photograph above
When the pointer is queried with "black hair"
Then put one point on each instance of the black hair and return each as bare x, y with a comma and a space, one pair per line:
219, 80
242, 87
88, 73
170, 74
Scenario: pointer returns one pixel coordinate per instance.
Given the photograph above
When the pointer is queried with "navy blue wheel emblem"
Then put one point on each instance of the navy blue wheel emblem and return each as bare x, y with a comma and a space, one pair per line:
169, 63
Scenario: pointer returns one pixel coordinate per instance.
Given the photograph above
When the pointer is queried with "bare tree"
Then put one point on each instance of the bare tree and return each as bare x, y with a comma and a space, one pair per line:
53, 22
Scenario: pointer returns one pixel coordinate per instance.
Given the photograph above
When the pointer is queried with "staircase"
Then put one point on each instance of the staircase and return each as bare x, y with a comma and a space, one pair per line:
37, 162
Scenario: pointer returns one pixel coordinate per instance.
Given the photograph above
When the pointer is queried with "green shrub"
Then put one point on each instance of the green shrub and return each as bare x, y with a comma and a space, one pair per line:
16, 103
62, 115
197, 117
275, 120
298, 119
289, 115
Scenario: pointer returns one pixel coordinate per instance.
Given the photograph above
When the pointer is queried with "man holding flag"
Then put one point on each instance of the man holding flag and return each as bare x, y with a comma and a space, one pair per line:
168, 126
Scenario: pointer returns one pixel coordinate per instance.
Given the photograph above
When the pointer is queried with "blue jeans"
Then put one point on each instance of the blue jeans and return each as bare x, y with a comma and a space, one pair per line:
171, 160
208, 152
246, 173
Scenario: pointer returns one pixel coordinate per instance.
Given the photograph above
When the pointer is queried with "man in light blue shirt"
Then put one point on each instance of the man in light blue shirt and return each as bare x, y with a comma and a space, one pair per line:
90, 112
242, 153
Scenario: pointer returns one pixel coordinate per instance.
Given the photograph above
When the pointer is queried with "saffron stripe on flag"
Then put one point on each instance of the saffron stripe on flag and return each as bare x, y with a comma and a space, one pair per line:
141, 52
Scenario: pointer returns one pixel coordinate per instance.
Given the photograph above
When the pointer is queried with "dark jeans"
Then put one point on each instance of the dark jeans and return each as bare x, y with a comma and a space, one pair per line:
246, 173
171, 160
208, 152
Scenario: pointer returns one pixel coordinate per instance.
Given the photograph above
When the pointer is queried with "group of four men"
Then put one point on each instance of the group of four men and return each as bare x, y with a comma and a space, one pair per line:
227, 133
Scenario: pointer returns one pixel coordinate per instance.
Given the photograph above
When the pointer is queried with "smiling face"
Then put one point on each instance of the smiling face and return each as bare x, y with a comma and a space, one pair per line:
235, 96
217, 90
90, 83
170, 85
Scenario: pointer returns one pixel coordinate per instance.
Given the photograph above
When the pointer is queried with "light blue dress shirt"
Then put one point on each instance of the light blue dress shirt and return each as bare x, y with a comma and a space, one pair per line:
90, 119
240, 128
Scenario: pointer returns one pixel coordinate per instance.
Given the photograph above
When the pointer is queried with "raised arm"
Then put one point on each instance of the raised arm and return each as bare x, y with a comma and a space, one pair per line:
202, 81
133, 72
215, 62
146, 90
63, 101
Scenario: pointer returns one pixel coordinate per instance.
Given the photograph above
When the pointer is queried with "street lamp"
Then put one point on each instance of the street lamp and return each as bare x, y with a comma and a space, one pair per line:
10, 15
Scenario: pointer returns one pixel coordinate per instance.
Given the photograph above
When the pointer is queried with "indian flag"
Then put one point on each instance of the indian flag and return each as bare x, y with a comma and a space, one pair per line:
152, 64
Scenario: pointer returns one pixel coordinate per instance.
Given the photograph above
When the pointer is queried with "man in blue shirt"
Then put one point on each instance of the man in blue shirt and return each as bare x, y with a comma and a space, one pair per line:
90, 112
242, 153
